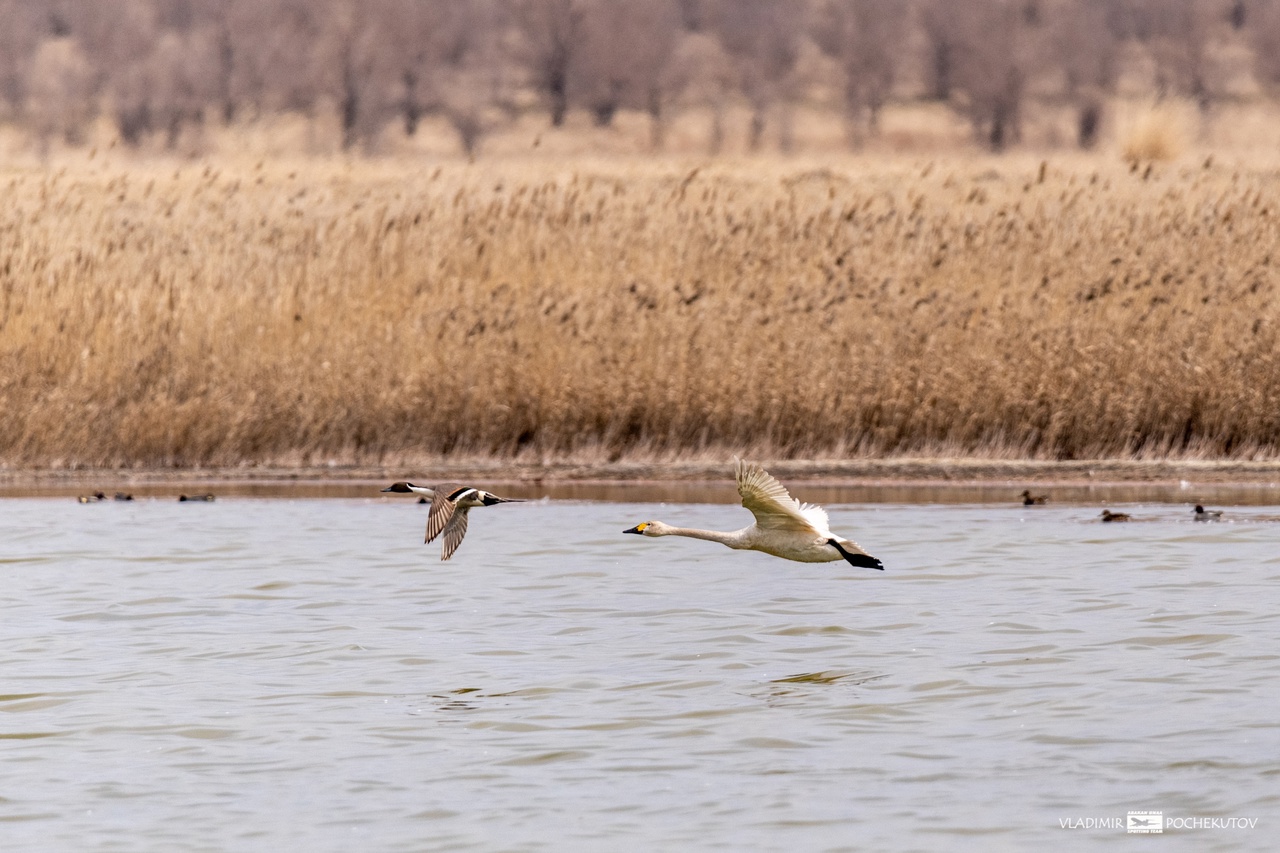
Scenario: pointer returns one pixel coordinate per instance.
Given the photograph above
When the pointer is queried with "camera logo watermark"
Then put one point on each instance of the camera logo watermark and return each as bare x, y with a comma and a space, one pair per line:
1144, 822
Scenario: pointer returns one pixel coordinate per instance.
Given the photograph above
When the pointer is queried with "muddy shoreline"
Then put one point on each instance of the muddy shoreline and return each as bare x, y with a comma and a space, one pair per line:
888, 471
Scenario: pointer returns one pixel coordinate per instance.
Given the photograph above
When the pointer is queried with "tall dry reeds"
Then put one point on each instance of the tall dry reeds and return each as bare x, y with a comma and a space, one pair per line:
1155, 132
387, 313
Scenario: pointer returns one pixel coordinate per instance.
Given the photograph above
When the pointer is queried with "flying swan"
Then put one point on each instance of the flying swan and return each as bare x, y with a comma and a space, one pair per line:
784, 527
450, 504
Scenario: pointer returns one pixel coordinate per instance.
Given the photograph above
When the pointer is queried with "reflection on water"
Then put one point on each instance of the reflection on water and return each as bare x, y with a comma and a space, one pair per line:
304, 674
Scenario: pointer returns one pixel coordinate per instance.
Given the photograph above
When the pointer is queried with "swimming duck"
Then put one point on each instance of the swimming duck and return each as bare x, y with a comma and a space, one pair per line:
121, 496
92, 499
1202, 514
784, 527
1108, 515
1029, 499
450, 504
184, 498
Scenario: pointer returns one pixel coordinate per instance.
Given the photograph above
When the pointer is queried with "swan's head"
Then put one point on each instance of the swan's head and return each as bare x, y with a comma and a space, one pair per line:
650, 528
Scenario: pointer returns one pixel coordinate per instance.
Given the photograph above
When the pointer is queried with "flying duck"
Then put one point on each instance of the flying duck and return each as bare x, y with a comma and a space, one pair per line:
450, 504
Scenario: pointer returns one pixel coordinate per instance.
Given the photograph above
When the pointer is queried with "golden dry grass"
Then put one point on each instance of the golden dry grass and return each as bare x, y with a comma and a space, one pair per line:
389, 313
1156, 132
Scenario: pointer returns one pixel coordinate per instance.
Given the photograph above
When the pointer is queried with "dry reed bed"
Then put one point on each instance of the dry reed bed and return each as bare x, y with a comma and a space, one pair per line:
385, 313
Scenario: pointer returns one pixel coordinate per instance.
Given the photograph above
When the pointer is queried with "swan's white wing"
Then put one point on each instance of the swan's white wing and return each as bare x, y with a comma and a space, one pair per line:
441, 510
453, 533
817, 517
772, 506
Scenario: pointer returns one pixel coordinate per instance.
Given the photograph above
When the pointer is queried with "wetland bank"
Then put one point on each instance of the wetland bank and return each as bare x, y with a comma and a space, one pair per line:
365, 313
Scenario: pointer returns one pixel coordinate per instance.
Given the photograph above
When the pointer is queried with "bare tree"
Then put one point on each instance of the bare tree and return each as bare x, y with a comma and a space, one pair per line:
1264, 37
762, 39
623, 61
230, 32
422, 39
118, 41
656, 86
1085, 46
474, 82
938, 27
352, 41
552, 31
25, 27
701, 75
692, 15
601, 72
1180, 46
179, 83
991, 69
60, 92
865, 39
165, 67
289, 66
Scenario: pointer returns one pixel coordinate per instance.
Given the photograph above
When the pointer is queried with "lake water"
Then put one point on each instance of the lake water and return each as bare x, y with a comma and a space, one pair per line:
270, 674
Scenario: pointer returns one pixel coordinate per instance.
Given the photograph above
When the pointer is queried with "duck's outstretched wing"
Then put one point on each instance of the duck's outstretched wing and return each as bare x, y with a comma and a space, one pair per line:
453, 533
442, 509
773, 506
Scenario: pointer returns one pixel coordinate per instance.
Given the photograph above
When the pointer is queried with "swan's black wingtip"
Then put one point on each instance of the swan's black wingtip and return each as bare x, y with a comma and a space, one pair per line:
862, 561
866, 561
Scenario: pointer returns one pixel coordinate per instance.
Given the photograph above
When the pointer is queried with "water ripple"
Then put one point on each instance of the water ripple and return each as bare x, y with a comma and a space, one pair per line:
264, 674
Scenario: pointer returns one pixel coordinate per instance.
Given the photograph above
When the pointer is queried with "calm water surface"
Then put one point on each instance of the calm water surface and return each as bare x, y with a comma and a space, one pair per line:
267, 674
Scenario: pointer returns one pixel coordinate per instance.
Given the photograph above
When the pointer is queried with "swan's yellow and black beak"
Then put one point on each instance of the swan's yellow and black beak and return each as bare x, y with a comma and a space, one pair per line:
639, 528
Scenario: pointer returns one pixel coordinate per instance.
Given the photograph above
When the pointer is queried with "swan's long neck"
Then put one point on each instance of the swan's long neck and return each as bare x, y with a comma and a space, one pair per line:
732, 539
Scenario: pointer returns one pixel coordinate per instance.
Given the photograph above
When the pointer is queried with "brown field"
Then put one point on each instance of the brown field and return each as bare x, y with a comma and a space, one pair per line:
389, 313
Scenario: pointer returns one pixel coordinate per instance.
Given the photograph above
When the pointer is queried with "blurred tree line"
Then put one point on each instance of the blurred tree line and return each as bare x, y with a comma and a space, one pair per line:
158, 69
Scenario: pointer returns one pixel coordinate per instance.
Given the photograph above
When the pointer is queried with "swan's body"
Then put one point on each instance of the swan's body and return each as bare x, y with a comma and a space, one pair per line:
784, 527
450, 504
1203, 514
1029, 499
1108, 515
